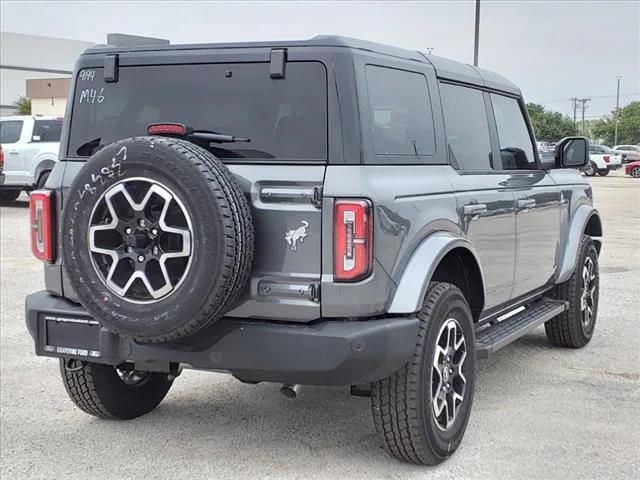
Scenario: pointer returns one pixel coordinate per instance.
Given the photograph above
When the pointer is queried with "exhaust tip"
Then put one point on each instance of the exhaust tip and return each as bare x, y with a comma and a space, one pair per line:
290, 391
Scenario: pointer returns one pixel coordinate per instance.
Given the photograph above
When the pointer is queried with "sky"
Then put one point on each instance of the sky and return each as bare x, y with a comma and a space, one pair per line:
553, 50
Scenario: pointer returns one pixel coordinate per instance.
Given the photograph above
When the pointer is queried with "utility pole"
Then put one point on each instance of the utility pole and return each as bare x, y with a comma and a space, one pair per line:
476, 45
615, 135
584, 107
574, 103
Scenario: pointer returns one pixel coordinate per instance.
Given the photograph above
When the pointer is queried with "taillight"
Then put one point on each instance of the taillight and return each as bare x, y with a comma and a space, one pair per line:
41, 204
606, 158
352, 240
1, 157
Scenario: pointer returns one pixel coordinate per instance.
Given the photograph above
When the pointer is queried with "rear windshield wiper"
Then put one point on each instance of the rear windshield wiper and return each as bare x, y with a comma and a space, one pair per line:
216, 137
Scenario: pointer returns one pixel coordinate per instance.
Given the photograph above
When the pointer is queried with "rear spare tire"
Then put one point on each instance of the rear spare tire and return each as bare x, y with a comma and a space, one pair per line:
158, 238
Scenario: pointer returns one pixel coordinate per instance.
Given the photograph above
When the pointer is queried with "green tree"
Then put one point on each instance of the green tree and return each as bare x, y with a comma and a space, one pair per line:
628, 126
548, 125
24, 106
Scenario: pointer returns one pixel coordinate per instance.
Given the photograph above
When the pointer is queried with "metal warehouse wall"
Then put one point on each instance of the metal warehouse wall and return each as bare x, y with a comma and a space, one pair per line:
31, 56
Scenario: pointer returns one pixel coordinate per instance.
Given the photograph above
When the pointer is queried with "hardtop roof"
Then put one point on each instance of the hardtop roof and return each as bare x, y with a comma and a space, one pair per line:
445, 68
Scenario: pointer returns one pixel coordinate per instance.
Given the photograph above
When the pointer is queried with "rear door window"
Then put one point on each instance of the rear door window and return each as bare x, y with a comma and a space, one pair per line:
283, 118
516, 146
400, 109
47, 130
467, 128
10, 131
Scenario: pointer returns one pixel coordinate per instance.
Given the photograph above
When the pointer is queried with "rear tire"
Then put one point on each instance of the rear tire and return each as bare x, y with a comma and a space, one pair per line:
42, 180
99, 390
404, 405
591, 170
9, 195
635, 172
574, 328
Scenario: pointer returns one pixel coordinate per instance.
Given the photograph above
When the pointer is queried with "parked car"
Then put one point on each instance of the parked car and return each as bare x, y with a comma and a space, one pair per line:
1, 165
630, 153
602, 161
30, 145
633, 169
321, 212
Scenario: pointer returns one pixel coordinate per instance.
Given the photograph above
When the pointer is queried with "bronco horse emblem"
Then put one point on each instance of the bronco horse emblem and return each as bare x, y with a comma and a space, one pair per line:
292, 236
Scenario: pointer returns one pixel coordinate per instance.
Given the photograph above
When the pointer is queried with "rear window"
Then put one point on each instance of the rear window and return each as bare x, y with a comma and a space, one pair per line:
284, 118
10, 131
47, 130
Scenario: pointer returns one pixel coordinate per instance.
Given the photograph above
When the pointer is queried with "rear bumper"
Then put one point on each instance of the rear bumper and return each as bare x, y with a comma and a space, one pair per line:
614, 166
325, 353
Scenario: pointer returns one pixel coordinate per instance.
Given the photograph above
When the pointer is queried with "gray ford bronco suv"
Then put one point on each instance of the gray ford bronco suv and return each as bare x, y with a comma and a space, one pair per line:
321, 212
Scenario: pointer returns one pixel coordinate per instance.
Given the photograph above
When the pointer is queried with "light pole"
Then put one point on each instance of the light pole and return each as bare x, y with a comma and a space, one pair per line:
477, 35
615, 135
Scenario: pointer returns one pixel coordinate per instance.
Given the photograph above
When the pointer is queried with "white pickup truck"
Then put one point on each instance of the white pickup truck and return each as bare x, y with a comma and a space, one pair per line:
30, 145
603, 160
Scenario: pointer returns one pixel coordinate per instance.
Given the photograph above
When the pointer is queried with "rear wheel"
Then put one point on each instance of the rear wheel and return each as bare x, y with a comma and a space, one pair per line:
9, 195
635, 172
116, 393
590, 170
421, 412
574, 328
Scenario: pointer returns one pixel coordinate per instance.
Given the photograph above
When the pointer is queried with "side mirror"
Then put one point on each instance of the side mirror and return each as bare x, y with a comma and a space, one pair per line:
572, 152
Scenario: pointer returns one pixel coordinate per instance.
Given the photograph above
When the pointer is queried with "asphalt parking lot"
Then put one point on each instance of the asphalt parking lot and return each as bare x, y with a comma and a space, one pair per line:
539, 412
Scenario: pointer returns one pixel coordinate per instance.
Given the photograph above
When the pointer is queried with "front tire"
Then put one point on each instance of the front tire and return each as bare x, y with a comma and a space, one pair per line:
421, 412
574, 328
106, 392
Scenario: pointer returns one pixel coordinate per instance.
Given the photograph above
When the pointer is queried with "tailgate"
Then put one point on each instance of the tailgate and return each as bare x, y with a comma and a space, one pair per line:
286, 207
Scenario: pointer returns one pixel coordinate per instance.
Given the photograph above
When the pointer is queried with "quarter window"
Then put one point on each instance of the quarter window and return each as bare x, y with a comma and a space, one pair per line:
401, 116
516, 148
10, 131
466, 126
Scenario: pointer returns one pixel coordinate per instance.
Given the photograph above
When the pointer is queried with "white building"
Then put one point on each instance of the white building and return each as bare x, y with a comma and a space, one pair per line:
24, 57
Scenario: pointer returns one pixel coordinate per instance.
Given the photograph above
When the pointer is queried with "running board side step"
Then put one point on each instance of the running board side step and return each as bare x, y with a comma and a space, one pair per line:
497, 335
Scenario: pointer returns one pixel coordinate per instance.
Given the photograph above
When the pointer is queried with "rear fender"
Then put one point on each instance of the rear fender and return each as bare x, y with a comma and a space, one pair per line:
424, 261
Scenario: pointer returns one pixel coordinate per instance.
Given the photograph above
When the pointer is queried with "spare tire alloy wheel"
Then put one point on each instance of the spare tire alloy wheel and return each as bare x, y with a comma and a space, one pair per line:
150, 243
158, 238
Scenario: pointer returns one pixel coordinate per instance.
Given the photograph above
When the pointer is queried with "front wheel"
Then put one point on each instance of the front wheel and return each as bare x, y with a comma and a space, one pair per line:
574, 328
117, 393
421, 412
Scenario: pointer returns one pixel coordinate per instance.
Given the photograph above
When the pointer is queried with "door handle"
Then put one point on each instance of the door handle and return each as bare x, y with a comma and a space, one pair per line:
13, 152
525, 203
474, 209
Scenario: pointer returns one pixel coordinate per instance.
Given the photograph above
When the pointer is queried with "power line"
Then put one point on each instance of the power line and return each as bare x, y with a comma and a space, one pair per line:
564, 99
